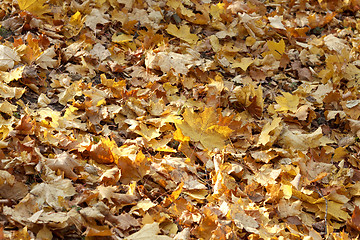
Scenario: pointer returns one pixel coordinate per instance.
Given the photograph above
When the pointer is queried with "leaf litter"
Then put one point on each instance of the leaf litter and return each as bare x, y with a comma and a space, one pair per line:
179, 119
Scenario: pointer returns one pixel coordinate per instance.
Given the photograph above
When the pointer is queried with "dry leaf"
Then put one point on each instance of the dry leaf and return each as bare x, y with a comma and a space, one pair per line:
203, 127
64, 162
183, 33
8, 57
148, 231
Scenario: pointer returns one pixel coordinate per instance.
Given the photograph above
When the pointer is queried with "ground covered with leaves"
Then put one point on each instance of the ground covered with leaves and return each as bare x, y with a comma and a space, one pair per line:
167, 119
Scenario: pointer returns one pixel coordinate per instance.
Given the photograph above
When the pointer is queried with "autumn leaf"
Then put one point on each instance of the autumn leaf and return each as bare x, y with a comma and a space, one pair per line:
46, 59
276, 49
288, 102
14, 74
270, 132
148, 231
203, 127
50, 193
355, 220
183, 33
8, 57
64, 162
34, 6
243, 64
178, 120
102, 151
96, 17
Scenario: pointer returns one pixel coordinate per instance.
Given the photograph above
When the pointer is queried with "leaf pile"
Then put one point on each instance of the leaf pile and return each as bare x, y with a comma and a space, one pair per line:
167, 119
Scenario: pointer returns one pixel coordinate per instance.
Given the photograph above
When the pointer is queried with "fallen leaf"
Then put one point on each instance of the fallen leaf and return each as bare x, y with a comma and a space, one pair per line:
183, 33
8, 57
46, 59
64, 162
270, 132
203, 127
96, 17
277, 49
288, 102
50, 193
34, 6
148, 231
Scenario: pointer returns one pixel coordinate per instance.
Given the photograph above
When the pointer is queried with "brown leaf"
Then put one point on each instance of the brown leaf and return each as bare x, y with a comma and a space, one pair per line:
64, 162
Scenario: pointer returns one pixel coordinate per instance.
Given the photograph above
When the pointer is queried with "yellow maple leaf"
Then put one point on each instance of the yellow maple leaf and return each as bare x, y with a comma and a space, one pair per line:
204, 127
288, 102
36, 7
217, 10
14, 74
102, 152
178, 136
276, 49
270, 132
243, 64
76, 19
121, 38
183, 33
177, 5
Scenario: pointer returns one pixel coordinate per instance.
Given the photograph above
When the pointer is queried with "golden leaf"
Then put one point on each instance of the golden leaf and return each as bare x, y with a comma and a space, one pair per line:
243, 64
270, 132
204, 127
183, 33
276, 49
36, 7
288, 102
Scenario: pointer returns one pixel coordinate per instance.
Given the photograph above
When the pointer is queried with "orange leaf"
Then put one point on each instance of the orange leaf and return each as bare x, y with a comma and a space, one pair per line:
102, 152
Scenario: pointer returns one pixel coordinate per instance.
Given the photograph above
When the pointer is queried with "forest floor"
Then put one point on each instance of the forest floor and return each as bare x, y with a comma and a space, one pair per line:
167, 119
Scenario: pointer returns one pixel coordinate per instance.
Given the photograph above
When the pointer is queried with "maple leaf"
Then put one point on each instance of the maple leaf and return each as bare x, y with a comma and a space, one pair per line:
46, 59
110, 194
288, 102
149, 231
36, 7
14, 74
8, 57
64, 162
243, 64
110, 176
276, 22
102, 152
300, 141
276, 49
96, 17
51, 192
183, 33
10, 188
165, 61
203, 127
270, 132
